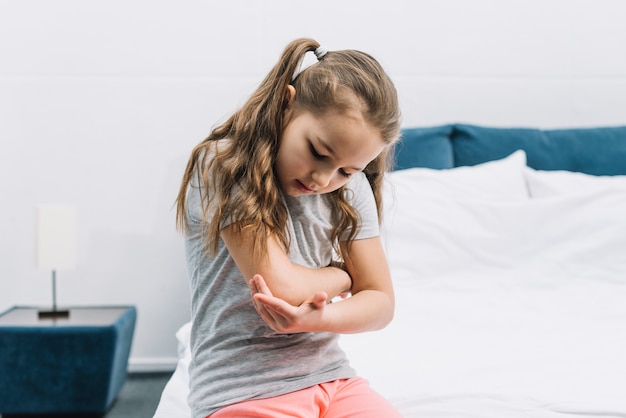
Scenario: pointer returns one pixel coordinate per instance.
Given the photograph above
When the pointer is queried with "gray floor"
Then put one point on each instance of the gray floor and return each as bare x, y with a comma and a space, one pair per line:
139, 396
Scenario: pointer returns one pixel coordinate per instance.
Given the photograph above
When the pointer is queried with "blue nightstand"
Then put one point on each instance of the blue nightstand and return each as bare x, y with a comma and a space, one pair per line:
73, 365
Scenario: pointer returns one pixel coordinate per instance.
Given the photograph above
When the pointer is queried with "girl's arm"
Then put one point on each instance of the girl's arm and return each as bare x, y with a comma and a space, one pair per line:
290, 282
370, 307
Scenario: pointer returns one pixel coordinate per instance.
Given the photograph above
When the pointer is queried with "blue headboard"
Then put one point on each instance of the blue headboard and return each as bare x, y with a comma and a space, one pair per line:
599, 151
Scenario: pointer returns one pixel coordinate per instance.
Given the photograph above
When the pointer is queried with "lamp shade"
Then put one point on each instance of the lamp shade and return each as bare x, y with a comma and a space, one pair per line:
56, 237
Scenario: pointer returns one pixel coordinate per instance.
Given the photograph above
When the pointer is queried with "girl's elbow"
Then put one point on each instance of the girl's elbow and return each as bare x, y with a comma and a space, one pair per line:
387, 313
390, 313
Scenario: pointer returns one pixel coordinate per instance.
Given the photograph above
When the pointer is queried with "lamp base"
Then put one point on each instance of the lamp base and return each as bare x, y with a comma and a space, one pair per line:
54, 314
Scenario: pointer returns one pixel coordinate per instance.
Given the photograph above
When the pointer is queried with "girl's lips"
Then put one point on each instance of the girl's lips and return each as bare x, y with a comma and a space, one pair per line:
303, 188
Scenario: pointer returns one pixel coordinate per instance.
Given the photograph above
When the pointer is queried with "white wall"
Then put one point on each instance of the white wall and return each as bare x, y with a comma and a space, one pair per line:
101, 102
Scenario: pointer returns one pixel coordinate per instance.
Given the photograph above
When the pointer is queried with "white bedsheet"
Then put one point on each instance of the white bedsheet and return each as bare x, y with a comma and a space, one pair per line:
506, 346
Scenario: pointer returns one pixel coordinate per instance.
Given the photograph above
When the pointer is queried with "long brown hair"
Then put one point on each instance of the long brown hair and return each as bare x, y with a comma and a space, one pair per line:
238, 179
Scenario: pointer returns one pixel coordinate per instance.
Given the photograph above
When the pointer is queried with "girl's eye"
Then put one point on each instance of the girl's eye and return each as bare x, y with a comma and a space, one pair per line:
319, 156
316, 154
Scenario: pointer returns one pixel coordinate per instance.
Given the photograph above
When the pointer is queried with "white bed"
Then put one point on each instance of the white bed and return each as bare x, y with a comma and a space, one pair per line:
511, 296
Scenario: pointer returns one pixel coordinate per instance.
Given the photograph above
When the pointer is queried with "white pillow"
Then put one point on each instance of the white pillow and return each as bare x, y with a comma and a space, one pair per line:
500, 179
426, 237
555, 183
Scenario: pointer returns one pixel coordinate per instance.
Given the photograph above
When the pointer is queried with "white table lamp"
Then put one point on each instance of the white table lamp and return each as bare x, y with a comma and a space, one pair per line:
56, 247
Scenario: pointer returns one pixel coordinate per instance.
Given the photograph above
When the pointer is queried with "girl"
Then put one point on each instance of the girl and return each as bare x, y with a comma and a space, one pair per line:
289, 180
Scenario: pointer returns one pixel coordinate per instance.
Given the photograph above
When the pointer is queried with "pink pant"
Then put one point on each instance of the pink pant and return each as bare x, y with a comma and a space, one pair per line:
338, 399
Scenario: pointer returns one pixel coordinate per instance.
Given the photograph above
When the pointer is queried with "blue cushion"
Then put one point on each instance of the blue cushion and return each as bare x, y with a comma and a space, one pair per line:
599, 151
424, 147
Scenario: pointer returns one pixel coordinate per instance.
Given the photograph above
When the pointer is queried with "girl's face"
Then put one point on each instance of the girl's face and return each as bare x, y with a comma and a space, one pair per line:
319, 154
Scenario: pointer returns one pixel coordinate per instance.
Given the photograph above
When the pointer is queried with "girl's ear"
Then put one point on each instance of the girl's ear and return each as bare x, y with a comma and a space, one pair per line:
290, 95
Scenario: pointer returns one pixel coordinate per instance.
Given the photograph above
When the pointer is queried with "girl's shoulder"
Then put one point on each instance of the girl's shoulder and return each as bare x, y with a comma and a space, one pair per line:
213, 147
210, 150
359, 184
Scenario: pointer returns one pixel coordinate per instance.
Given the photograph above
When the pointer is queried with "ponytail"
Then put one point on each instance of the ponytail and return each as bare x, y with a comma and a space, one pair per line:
247, 162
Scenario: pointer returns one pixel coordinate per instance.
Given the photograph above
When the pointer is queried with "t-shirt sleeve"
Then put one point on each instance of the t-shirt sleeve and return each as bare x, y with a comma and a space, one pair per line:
198, 199
361, 197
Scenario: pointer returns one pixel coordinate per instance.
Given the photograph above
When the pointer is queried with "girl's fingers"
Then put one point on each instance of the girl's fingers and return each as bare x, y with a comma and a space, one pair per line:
270, 308
263, 295
276, 305
261, 286
319, 300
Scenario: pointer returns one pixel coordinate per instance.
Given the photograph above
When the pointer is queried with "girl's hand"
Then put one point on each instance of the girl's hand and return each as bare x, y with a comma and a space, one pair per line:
283, 317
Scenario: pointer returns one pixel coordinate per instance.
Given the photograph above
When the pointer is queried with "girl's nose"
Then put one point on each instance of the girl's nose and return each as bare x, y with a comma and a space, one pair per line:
322, 177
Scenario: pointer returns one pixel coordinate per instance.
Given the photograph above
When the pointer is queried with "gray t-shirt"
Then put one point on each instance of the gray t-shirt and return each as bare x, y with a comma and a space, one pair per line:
235, 355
